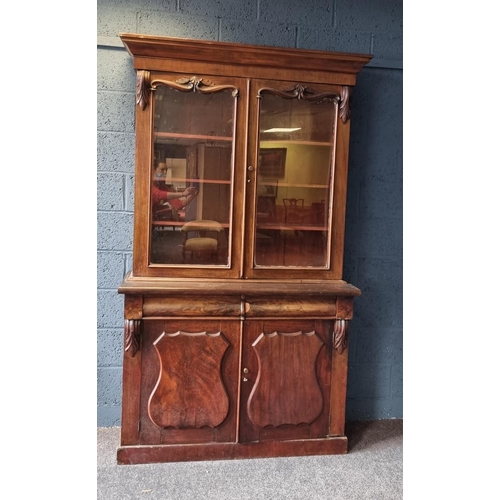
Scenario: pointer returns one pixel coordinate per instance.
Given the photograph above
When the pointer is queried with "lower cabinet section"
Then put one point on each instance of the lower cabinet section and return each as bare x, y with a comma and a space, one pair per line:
204, 389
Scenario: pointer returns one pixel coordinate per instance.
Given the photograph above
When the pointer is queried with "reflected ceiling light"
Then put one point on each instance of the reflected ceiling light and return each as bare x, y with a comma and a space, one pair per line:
279, 129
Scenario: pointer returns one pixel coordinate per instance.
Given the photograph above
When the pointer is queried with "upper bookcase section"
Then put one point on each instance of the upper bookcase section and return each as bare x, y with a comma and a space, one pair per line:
157, 53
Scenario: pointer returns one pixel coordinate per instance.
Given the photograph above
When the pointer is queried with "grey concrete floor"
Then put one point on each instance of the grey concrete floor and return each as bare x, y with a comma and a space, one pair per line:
372, 470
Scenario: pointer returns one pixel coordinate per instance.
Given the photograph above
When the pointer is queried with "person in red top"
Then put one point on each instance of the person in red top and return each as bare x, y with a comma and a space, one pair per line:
164, 197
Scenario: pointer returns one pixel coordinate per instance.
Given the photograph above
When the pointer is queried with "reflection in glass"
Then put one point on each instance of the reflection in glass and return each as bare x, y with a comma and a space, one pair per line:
191, 177
294, 176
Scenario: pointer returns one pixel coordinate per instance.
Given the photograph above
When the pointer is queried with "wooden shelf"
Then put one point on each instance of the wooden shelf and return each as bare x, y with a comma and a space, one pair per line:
174, 224
289, 227
298, 142
180, 180
172, 135
293, 185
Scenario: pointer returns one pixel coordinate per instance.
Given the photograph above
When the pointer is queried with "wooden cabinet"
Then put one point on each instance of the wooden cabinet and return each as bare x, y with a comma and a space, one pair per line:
236, 313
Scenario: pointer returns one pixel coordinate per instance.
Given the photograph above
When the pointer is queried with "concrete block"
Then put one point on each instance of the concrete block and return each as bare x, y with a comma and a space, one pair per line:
109, 386
379, 309
137, 5
115, 151
381, 275
350, 270
388, 46
377, 124
115, 231
110, 191
382, 195
374, 237
258, 33
317, 13
109, 416
109, 309
353, 187
115, 70
177, 25
369, 380
233, 9
129, 192
379, 345
353, 340
115, 111
373, 409
367, 15
110, 269
332, 40
128, 262
110, 347
397, 380
112, 20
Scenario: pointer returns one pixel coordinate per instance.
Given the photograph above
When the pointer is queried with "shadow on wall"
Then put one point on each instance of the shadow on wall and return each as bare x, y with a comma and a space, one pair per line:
373, 247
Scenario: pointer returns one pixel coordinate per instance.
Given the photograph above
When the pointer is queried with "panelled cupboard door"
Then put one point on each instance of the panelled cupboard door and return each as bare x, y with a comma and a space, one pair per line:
297, 167
190, 144
285, 388
189, 383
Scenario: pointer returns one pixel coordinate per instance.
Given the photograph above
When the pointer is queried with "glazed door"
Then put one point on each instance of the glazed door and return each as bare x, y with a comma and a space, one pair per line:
291, 177
285, 380
190, 136
189, 381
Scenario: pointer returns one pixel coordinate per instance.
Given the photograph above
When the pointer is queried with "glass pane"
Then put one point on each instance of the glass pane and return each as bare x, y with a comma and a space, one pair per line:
293, 181
192, 177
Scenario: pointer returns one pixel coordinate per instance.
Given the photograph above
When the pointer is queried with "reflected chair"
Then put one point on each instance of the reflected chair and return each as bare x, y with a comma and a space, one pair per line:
201, 239
294, 212
292, 238
294, 209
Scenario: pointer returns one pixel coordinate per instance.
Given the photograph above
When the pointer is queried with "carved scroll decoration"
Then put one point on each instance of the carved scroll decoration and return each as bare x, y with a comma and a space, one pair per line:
195, 84
340, 330
300, 92
132, 336
345, 103
142, 88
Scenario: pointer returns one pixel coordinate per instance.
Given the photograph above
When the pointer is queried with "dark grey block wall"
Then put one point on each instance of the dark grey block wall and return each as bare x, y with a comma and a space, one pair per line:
373, 250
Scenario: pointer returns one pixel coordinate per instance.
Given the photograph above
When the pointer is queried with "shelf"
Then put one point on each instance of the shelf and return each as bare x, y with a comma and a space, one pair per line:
171, 135
288, 184
174, 224
183, 180
289, 227
298, 142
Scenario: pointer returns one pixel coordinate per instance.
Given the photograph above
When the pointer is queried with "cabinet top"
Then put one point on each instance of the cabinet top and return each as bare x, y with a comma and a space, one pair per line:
164, 286
146, 47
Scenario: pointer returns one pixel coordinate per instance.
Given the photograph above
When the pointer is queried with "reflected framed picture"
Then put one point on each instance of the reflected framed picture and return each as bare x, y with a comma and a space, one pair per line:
271, 187
272, 162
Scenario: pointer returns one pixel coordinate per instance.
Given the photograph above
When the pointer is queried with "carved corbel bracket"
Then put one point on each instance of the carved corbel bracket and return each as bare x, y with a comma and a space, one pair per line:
132, 336
142, 88
340, 330
345, 103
